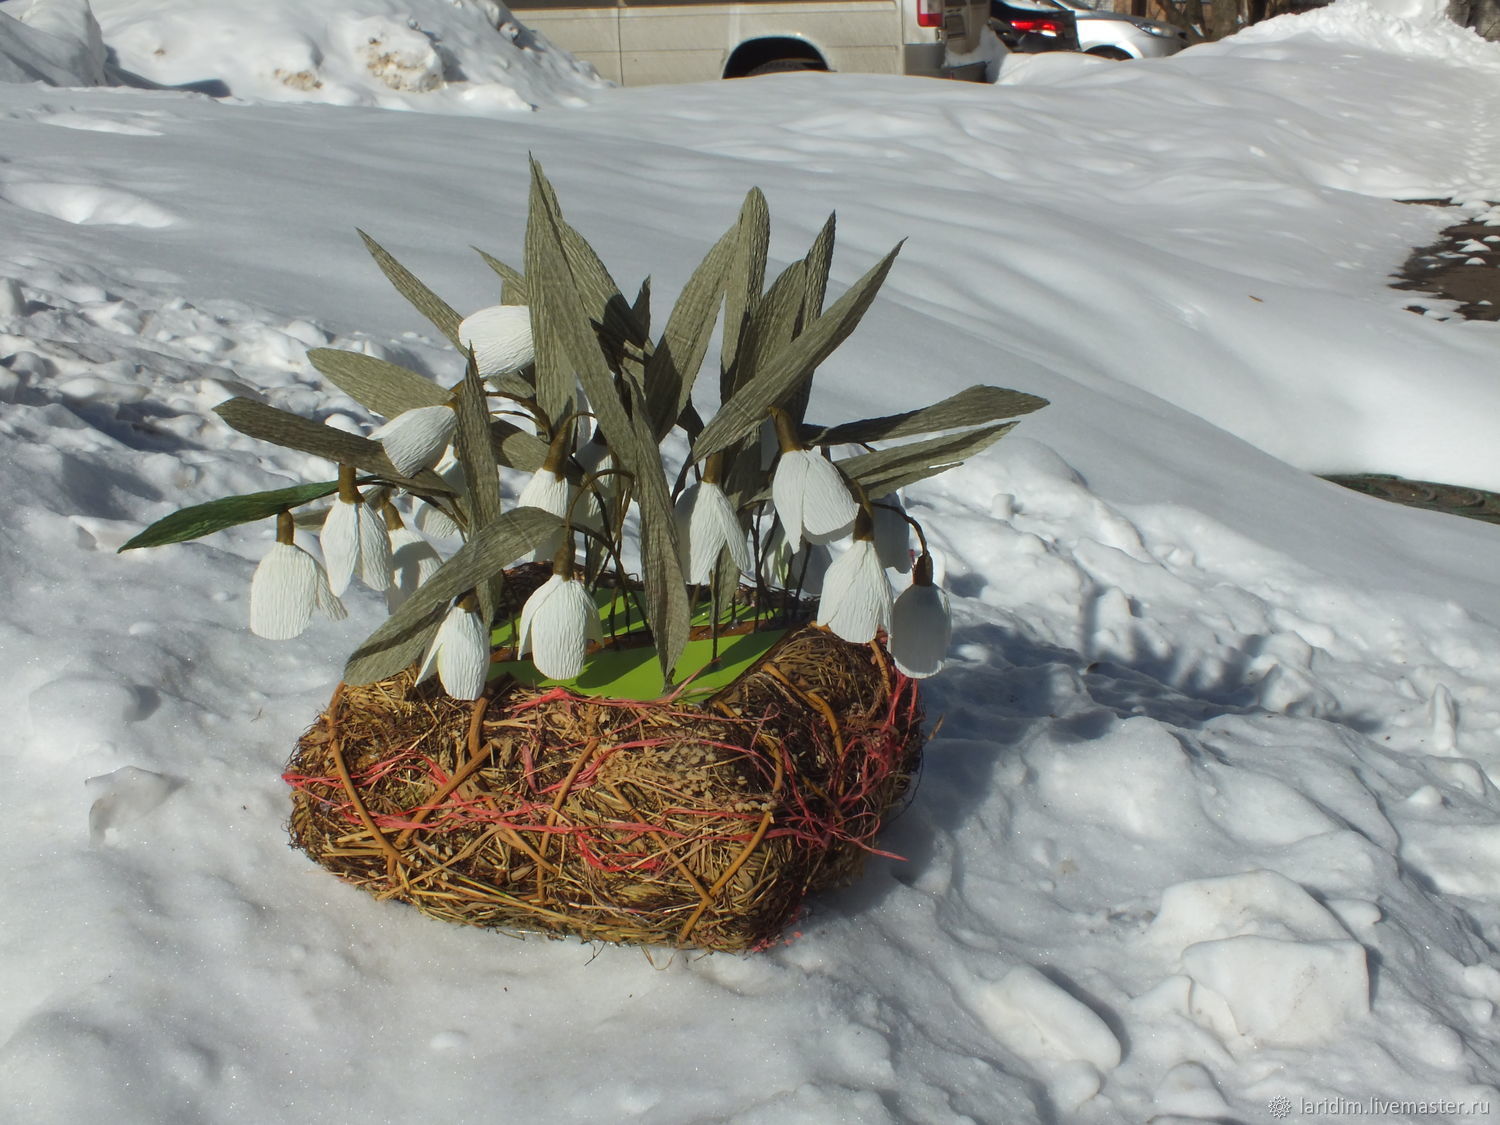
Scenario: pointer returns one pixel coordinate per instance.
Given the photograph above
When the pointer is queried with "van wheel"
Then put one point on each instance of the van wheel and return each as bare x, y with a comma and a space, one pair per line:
1109, 53
782, 66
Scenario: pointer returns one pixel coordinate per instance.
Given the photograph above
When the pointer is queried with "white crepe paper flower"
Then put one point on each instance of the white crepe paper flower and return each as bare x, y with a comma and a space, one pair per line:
413, 562
802, 570
921, 626
892, 533
706, 525
460, 654
432, 520
557, 623
811, 498
354, 541
285, 589
856, 602
551, 493
501, 338
415, 439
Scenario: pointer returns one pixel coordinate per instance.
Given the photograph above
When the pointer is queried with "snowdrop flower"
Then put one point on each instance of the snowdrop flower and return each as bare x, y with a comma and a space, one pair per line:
550, 492
856, 602
286, 587
557, 623
460, 654
413, 560
706, 525
921, 626
802, 569
433, 521
501, 338
811, 498
354, 540
415, 439
892, 533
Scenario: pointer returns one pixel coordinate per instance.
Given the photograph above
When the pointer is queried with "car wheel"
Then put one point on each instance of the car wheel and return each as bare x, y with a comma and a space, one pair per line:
782, 66
1109, 53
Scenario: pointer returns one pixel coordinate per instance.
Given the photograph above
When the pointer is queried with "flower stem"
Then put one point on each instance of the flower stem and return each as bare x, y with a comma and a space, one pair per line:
348, 493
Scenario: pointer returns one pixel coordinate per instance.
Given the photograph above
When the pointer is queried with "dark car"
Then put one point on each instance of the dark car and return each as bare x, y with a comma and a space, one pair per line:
1030, 30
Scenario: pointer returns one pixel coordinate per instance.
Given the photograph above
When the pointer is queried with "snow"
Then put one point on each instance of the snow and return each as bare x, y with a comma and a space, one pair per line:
1212, 815
440, 56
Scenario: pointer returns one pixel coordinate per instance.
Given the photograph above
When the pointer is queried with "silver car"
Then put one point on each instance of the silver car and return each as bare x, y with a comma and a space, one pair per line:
1114, 35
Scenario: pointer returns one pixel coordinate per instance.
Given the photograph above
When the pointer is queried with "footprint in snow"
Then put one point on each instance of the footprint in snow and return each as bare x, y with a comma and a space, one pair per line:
93, 123
87, 204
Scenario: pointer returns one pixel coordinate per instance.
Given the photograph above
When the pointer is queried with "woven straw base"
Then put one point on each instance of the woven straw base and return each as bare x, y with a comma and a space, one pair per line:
613, 820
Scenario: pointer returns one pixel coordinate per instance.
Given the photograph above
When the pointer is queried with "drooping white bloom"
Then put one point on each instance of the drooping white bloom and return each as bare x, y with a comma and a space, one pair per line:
434, 521
501, 338
856, 602
285, 589
706, 524
354, 541
921, 628
802, 570
557, 623
551, 493
415, 439
460, 653
892, 533
413, 562
811, 498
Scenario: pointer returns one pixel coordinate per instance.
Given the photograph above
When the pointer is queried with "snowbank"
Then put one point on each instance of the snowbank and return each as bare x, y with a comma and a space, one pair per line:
450, 56
52, 41
1210, 831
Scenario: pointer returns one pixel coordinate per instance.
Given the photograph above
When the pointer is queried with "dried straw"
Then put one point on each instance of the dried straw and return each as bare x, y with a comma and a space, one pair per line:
613, 820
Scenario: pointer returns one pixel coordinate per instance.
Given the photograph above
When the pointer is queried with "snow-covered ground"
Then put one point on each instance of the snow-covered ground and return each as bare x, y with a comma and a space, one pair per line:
1212, 817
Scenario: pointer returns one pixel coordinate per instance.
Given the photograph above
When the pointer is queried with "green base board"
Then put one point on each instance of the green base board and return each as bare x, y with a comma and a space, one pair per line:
626, 670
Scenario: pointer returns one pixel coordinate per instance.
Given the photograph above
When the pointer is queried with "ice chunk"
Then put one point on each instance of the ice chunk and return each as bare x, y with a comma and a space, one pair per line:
1260, 903
1277, 993
125, 795
1039, 1021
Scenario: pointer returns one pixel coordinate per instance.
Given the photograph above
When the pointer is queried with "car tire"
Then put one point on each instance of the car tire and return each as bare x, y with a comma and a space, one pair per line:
1109, 53
782, 66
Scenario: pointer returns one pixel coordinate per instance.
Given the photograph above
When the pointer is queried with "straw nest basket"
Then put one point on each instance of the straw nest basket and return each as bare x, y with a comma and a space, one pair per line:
614, 820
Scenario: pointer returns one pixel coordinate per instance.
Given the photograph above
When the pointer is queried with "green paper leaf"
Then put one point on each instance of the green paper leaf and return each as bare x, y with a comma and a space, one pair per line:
561, 296
974, 405
472, 445
886, 470
782, 374
405, 635
673, 366
819, 260
280, 427
204, 519
385, 388
515, 448
743, 284
776, 321
640, 311
423, 299
512, 281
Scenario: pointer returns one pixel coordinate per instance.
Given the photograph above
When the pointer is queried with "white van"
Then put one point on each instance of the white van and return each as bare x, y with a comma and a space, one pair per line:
641, 42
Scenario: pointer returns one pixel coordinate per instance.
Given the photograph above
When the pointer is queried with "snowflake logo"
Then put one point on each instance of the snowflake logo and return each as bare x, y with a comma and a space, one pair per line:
1280, 1106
